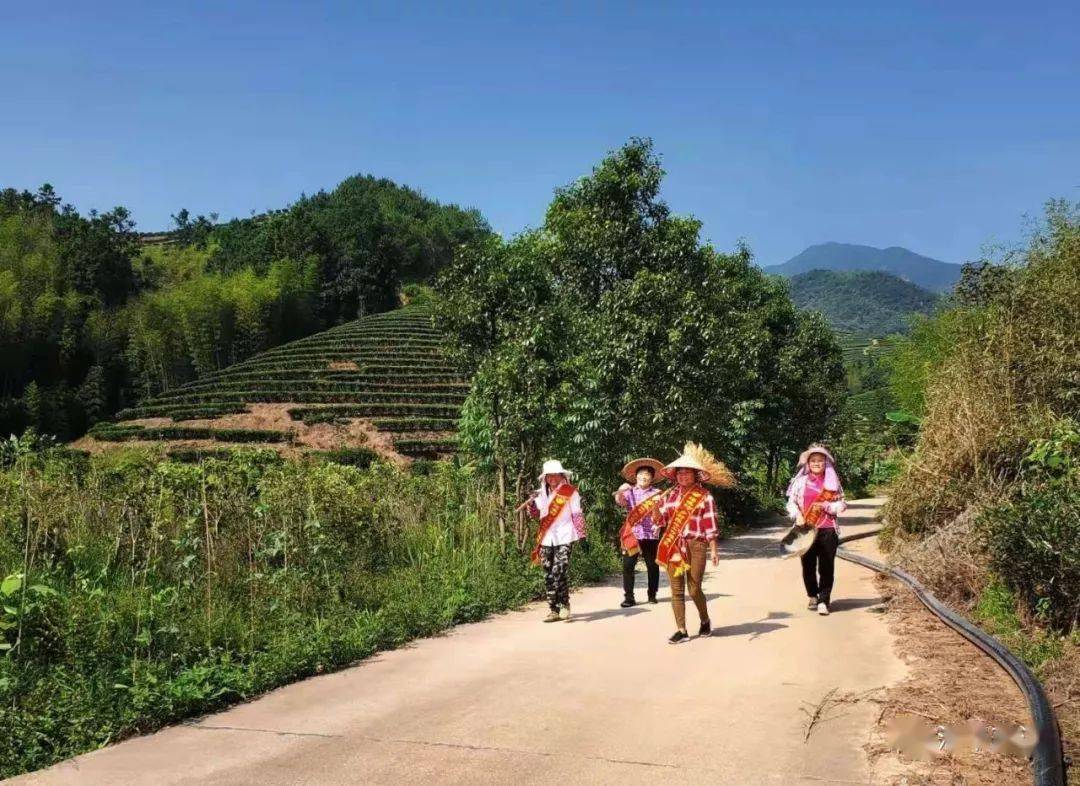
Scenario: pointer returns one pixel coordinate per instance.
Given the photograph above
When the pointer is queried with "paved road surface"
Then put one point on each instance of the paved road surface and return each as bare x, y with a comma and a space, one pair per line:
600, 699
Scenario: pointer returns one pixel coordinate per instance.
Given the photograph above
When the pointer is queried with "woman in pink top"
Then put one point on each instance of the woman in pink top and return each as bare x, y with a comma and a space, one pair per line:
815, 497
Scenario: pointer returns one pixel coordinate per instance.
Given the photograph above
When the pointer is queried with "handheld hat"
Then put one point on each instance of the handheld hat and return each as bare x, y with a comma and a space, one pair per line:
711, 470
797, 541
631, 469
554, 467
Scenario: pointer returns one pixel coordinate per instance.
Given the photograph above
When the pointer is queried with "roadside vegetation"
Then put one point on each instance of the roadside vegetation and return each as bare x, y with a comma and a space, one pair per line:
138, 591
986, 508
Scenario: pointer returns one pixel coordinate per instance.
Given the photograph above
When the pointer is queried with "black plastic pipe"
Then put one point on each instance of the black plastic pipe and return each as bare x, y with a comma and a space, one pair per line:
1047, 759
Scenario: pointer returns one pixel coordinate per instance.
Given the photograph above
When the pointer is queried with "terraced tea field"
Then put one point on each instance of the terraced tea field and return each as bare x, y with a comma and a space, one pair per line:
857, 346
379, 385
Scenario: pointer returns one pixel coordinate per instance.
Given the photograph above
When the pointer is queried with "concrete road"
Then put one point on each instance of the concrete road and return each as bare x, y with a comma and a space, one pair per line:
600, 699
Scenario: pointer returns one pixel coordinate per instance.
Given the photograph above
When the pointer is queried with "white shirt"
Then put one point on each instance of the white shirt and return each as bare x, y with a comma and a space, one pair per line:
563, 529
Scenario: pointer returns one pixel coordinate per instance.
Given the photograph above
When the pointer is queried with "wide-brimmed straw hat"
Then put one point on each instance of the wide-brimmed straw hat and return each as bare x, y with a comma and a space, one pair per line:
815, 448
554, 467
797, 541
709, 468
631, 469
686, 462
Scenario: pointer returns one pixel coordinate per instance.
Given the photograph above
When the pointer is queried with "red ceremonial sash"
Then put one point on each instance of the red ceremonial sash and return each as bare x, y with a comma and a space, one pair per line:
672, 551
629, 543
562, 496
813, 516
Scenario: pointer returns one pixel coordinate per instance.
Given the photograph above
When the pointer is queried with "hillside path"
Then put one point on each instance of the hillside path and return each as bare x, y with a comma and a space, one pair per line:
601, 699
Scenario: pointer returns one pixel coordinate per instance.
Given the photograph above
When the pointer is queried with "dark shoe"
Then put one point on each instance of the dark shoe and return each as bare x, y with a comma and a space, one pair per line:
628, 603
652, 599
678, 636
705, 629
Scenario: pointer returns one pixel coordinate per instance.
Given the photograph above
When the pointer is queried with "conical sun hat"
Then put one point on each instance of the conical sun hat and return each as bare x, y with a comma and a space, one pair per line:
797, 541
554, 467
815, 448
631, 469
694, 456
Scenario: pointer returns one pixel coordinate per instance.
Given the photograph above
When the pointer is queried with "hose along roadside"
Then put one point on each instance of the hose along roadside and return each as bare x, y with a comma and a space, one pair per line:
1047, 759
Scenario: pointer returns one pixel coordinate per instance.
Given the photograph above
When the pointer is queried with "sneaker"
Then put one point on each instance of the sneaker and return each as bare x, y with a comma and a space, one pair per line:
705, 629
823, 609
812, 603
564, 614
677, 636
553, 616
628, 603
652, 599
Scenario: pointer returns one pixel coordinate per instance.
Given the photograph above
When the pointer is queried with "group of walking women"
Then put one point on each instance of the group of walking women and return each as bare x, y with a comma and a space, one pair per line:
676, 528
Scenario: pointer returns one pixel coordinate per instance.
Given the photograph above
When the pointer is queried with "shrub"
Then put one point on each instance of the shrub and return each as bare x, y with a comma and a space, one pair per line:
1033, 537
237, 574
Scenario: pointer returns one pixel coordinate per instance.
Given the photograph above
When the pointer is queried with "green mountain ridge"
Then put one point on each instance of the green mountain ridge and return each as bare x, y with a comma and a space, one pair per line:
864, 302
926, 272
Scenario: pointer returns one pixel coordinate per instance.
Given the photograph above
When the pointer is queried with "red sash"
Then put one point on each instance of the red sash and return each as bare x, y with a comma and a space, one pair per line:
672, 552
629, 543
562, 496
813, 516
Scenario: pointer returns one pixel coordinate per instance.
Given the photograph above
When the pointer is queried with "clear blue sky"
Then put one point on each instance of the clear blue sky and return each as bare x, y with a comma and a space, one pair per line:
936, 126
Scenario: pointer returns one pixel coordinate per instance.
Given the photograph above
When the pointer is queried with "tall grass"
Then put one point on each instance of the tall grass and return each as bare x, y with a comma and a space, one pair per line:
140, 591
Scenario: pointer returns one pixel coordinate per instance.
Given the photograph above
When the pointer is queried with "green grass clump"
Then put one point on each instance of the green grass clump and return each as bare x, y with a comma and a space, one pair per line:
237, 574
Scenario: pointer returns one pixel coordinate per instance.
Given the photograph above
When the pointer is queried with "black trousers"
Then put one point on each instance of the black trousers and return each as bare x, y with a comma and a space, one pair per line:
820, 559
648, 551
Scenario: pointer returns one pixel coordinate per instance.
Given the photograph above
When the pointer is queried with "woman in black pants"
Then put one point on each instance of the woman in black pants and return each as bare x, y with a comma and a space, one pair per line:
815, 498
640, 533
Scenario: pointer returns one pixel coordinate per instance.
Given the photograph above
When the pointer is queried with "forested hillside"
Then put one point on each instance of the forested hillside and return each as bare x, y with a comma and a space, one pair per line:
867, 302
92, 321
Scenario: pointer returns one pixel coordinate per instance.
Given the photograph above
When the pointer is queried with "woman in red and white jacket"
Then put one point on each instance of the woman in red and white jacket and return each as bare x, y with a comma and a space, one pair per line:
815, 498
688, 514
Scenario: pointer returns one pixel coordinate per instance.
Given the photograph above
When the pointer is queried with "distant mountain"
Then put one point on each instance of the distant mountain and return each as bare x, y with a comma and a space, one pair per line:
868, 302
932, 274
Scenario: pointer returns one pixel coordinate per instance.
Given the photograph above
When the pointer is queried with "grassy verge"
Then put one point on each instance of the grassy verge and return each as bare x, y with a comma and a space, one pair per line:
138, 591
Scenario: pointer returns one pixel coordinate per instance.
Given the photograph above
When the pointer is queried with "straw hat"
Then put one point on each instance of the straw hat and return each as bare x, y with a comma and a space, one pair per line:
631, 469
711, 470
554, 467
797, 541
815, 448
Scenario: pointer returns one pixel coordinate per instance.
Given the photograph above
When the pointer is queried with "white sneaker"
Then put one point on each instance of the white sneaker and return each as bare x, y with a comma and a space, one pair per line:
823, 610
811, 603
564, 613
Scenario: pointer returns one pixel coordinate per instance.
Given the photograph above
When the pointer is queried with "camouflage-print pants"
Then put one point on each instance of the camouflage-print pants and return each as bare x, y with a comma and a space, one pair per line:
556, 562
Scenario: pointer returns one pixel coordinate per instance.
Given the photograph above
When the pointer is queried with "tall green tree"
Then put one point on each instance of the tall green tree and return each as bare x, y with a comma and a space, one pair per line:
613, 331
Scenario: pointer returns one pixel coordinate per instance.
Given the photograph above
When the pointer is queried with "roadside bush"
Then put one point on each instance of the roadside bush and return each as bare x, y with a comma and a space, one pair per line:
234, 575
999, 431
1033, 538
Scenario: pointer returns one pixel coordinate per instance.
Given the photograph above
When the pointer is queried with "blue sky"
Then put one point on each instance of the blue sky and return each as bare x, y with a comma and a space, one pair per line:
936, 126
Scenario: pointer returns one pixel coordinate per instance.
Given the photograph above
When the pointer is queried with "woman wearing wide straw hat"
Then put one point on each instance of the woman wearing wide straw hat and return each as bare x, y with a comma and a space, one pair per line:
558, 506
814, 499
641, 531
689, 516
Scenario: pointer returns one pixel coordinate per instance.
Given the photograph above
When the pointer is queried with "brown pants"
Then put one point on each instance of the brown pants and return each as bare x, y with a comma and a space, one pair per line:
699, 550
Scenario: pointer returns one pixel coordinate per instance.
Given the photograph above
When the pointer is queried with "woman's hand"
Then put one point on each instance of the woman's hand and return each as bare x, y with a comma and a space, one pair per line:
714, 554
